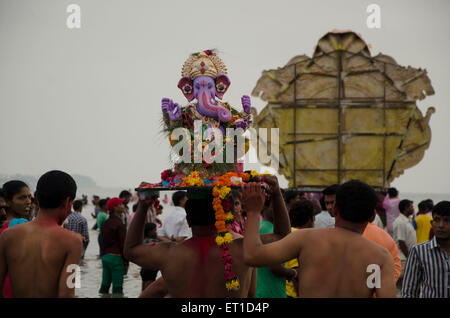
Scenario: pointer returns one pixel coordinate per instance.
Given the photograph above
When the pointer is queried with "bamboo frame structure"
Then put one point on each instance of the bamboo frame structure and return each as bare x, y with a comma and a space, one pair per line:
405, 102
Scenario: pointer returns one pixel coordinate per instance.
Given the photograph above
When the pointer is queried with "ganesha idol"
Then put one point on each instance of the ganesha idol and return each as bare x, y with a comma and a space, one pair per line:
204, 82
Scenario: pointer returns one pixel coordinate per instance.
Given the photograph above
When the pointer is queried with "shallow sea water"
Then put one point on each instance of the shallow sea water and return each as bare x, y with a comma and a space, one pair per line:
91, 268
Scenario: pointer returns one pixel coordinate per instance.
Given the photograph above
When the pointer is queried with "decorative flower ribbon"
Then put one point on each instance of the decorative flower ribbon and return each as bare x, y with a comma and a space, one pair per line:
222, 207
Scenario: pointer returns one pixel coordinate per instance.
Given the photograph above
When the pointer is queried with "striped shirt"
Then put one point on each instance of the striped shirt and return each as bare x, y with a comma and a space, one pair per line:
78, 223
427, 272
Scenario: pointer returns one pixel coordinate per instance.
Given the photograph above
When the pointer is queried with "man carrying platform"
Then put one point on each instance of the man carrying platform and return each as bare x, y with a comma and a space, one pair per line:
202, 271
335, 262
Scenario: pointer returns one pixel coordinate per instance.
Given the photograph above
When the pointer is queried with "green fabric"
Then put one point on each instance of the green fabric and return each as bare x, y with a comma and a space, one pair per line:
101, 218
267, 284
113, 271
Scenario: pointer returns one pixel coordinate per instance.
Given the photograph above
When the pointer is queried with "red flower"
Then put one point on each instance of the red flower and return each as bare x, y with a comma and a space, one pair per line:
227, 205
229, 275
166, 174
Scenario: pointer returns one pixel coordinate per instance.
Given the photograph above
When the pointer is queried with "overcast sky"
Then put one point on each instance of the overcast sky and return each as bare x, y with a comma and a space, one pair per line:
87, 101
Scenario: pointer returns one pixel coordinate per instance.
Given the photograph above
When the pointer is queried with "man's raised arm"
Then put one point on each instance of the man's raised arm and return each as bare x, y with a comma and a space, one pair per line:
281, 223
255, 253
149, 256
135, 235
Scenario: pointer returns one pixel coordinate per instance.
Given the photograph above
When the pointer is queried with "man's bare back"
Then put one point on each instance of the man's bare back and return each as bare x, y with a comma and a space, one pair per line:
334, 263
195, 268
36, 256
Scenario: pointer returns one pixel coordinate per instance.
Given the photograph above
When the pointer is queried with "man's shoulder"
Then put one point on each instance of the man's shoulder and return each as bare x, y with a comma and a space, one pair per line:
17, 226
72, 215
398, 221
320, 215
70, 237
422, 247
423, 218
179, 212
375, 249
11, 232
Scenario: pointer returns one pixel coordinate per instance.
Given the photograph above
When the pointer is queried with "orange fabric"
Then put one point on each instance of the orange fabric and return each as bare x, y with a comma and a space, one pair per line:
381, 237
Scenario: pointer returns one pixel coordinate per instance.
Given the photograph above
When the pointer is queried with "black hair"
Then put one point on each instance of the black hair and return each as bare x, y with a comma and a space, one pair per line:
392, 192
11, 188
289, 195
424, 205
1, 193
430, 203
323, 206
200, 212
77, 204
301, 212
102, 203
356, 201
124, 194
148, 227
442, 209
331, 190
177, 197
403, 204
236, 194
53, 188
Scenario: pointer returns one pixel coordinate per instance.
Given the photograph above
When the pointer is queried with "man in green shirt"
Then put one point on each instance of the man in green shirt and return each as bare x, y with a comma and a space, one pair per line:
102, 216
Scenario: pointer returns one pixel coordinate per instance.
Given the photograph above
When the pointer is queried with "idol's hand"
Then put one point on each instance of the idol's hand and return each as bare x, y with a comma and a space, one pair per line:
246, 103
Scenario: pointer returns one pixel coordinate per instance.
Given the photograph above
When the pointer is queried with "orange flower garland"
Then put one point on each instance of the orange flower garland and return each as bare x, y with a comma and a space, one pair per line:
221, 191
222, 207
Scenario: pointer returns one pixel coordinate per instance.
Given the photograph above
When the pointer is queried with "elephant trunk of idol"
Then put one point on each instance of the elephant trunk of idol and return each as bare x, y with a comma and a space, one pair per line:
209, 106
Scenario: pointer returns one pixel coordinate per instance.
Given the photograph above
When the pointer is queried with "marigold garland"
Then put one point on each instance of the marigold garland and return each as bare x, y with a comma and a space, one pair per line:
193, 180
222, 206
220, 192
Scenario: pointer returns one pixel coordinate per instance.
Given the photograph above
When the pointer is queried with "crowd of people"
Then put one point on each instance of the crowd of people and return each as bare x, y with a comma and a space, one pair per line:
286, 243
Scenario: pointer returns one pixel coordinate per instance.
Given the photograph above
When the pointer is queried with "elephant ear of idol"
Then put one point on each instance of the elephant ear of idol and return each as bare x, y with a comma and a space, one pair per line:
186, 86
222, 85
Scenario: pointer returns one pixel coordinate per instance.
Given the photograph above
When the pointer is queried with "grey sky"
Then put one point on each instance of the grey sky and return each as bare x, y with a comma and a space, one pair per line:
87, 100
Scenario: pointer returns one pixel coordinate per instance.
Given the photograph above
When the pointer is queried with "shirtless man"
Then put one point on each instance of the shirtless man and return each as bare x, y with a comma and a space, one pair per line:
36, 254
195, 267
334, 261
